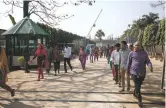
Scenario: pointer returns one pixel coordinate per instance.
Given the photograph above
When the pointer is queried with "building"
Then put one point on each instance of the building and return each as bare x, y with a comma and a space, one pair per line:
105, 42
2, 38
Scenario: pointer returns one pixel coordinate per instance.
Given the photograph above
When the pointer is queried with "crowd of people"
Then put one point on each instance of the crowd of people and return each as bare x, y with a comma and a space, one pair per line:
124, 62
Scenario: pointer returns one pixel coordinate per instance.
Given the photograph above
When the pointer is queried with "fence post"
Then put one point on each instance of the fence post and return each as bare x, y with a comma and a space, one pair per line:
163, 76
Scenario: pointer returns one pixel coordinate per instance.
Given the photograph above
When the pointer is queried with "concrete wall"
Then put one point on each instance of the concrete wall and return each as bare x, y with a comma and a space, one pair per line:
105, 42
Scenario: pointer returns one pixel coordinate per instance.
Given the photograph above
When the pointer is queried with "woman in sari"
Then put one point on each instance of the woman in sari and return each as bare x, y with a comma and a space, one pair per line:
82, 57
4, 69
41, 60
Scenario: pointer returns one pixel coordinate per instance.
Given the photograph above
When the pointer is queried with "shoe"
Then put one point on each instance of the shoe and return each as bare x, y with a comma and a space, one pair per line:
55, 74
71, 69
12, 93
135, 96
42, 78
122, 90
120, 85
38, 79
140, 104
27, 71
116, 82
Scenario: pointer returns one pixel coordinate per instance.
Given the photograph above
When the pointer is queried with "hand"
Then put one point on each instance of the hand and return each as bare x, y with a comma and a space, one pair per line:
1, 64
128, 72
151, 69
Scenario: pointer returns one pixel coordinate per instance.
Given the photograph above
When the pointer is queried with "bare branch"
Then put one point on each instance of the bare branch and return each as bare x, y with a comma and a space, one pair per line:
45, 9
160, 3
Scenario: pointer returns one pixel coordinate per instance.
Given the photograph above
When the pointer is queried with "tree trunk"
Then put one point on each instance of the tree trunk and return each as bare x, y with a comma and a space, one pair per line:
154, 51
162, 53
151, 52
163, 76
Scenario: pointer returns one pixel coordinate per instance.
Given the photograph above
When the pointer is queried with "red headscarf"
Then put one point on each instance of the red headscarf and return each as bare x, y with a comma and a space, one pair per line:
40, 50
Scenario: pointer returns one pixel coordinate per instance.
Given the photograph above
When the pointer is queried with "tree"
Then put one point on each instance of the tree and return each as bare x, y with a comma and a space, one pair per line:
159, 3
46, 10
61, 36
100, 34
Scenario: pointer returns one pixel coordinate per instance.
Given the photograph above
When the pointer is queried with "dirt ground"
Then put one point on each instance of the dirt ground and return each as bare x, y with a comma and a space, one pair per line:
93, 88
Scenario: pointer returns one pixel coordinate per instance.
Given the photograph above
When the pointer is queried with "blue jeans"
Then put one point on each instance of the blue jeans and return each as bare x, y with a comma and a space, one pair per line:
91, 58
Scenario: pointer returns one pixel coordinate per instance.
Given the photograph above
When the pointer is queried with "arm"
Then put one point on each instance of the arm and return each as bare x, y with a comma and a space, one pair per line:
148, 62
119, 59
112, 56
34, 57
129, 61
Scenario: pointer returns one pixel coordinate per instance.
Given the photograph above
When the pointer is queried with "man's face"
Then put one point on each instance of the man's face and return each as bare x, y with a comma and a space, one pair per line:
122, 46
66, 45
136, 47
117, 48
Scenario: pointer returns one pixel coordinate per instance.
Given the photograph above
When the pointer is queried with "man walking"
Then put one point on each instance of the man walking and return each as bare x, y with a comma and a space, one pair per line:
107, 50
136, 67
67, 55
91, 54
50, 56
124, 52
26, 54
115, 61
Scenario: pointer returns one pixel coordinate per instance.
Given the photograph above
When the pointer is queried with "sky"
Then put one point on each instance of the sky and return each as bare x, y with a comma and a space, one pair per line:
114, 19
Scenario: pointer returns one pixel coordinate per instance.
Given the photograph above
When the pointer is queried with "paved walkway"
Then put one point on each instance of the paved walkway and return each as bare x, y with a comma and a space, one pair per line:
93, 88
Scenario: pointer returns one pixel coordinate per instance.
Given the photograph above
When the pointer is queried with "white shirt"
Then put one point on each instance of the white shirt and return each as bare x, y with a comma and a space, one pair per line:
67, 52
115, 56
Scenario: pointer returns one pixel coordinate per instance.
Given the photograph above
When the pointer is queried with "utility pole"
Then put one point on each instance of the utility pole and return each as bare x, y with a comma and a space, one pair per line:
93, 25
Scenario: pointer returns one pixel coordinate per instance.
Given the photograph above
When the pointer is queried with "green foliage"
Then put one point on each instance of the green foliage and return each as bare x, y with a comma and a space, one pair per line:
147, 29
140, 35
61, 36
162, 32
100, 34
146, 36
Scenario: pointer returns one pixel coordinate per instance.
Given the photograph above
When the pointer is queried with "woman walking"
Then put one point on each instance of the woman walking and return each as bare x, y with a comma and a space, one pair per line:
4, 69
41, 60
82, 57
56, 59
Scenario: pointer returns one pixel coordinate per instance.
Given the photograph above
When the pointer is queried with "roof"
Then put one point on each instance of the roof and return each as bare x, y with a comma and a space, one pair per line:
24, 27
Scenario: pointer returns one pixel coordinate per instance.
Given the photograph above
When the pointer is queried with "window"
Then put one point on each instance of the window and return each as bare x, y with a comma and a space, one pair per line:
2, 43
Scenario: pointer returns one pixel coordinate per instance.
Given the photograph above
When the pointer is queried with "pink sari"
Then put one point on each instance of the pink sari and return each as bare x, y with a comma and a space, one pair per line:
43, 52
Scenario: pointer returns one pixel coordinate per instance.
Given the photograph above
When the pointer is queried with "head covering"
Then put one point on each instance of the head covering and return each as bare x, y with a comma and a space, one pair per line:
40, 50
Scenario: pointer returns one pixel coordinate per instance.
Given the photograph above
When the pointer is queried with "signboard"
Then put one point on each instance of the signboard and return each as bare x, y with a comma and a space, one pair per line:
31, 41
